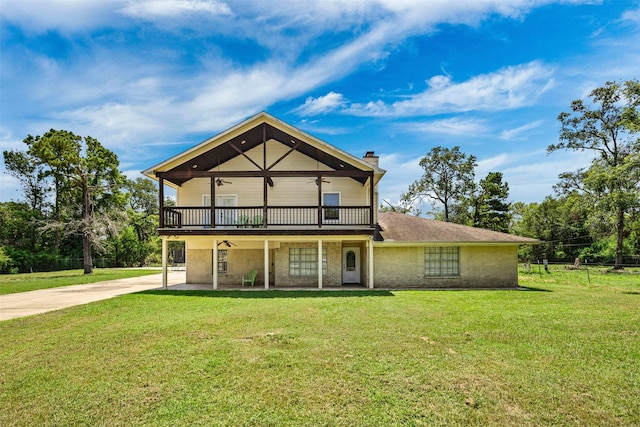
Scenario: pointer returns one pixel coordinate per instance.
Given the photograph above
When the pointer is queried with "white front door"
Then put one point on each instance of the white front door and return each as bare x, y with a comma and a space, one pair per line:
350, 265
224, 217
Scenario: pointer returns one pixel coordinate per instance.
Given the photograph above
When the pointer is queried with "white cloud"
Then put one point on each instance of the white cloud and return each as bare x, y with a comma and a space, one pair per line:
508, 88
453, 126
531, 175
162, 9
64, 15
321, 105
402, 171
632, 15
511, 134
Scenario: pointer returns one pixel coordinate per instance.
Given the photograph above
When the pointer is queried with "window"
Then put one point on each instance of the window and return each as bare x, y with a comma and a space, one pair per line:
304, 261
442, 262
331, 199
222, 261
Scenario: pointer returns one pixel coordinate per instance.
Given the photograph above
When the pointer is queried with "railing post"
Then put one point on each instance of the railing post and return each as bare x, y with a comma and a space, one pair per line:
212, 220
319, 182
265, 201
371, 197
161, 197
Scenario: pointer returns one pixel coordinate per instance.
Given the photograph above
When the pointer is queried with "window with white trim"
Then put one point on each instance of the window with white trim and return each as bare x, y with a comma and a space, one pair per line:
304, 261
442, 261
222, 261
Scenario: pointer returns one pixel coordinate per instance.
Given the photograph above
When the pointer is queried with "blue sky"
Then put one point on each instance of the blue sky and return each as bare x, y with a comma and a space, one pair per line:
152, 78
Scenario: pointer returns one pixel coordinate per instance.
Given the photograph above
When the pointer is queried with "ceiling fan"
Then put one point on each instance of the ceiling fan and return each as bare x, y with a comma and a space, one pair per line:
227, 243
319, 180
219, 181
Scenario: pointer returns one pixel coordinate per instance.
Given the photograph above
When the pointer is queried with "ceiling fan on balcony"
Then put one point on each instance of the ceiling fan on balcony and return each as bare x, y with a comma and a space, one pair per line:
317, 181
219, 181
227, 243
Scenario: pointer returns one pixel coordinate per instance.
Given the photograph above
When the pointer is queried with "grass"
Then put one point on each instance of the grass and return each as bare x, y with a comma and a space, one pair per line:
13, 283
564, 352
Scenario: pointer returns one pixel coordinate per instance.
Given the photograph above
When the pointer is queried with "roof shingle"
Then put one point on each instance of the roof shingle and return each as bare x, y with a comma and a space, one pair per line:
398, 227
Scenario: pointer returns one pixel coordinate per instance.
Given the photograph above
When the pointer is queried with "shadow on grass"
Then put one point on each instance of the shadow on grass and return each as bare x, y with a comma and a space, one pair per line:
631, 292
266, 294
533, 289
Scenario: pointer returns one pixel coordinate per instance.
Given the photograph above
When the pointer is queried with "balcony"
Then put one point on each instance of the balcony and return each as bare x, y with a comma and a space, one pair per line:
261, 219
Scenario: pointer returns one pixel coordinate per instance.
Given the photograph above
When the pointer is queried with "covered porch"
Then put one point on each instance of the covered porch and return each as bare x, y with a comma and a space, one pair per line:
281, 261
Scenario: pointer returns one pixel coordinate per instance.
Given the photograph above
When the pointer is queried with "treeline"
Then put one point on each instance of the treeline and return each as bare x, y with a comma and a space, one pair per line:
76, 205
594, 213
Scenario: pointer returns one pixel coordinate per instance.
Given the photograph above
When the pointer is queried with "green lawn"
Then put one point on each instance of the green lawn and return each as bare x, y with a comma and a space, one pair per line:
12, 283
565, 352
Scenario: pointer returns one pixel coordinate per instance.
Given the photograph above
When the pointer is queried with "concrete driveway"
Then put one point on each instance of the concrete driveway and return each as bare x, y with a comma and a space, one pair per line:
34, 302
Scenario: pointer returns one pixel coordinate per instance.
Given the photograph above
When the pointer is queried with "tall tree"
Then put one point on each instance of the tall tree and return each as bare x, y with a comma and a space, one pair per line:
607, 126
32, 179
447, 179
30, 174
490, 206
87, 177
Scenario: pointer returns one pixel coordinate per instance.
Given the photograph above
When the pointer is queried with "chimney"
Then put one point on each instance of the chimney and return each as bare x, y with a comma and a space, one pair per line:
369, 157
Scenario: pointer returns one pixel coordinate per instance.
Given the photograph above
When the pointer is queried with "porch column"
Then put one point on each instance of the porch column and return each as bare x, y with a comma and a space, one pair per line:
370, 261
266, 264
165, 251
215, 264
320, 264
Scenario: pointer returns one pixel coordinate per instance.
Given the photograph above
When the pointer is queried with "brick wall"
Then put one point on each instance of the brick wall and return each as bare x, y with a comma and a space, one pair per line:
480, 267
333, 277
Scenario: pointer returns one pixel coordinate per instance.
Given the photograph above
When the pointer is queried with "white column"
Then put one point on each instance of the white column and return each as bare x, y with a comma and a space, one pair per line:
266, 264
320, 264
215, 264
370, 261
165, 252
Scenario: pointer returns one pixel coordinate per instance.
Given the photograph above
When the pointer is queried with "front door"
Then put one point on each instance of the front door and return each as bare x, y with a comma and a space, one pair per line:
350, 265
224, 217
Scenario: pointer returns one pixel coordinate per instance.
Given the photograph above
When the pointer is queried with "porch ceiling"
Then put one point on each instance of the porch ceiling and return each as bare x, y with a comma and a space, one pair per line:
248, 140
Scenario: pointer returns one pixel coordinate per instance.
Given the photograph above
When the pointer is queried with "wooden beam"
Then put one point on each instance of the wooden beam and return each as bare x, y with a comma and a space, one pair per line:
212, 196
292, 149
261, 173
371, 199
319, 184
161, 197
244, 155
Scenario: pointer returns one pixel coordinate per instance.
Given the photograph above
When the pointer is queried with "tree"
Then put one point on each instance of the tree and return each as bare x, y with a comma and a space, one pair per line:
31, 176
447, 179
560, 223
87, 178
608, 127
490, 206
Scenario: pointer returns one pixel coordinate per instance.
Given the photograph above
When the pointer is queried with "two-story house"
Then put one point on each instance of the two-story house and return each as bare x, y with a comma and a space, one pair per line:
266, 196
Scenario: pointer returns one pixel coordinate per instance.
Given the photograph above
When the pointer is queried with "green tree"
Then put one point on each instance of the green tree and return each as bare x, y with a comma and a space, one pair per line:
135, 243
31, 176
447, 179
608, 127
87, 179
561, 223
490, 207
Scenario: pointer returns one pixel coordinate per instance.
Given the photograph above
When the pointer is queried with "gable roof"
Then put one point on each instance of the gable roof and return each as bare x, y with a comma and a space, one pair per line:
249, 134
401, 228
